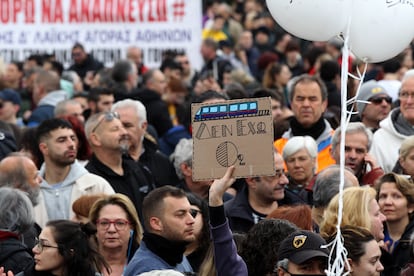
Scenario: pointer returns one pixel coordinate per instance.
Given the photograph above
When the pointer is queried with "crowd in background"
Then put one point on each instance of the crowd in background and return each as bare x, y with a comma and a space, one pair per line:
111, 149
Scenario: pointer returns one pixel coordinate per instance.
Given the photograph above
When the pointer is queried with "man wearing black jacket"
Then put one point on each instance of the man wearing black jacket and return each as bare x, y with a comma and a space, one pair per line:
108, 139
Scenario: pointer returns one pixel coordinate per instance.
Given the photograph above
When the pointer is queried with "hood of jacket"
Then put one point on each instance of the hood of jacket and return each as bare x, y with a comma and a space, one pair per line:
388, 124
53, 98
76, 171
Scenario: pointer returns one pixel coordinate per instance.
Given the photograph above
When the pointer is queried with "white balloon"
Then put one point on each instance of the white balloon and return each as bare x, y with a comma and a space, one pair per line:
316, 20
380, 29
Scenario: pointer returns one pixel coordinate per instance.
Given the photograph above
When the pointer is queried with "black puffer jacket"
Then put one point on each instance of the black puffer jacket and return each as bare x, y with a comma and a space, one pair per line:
15, 256
393, 263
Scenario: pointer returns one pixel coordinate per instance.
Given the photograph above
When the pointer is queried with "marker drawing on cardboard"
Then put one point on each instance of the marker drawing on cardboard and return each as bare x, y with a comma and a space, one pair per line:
236, 132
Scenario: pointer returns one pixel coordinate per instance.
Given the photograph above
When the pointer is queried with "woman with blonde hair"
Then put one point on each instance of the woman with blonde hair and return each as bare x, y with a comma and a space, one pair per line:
360, 208
405, 163
119, 231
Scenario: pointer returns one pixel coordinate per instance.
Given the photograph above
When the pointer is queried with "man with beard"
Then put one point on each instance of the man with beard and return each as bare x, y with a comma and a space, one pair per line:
64, 179
169, 223
143, 148
257, 198
20, 172
109, 140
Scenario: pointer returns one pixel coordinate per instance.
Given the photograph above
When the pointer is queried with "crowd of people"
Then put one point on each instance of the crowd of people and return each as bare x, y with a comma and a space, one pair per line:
96, 163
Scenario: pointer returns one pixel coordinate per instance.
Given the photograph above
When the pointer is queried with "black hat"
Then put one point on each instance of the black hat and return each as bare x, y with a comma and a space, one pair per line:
301, 246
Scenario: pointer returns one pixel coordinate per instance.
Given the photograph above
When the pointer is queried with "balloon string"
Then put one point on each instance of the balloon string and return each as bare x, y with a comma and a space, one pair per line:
338, 265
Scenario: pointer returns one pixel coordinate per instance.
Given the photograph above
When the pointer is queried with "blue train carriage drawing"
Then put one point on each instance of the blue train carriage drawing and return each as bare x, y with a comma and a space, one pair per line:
228, 111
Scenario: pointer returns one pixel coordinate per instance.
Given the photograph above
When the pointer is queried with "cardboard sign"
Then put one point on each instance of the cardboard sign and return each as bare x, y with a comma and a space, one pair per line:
236, 132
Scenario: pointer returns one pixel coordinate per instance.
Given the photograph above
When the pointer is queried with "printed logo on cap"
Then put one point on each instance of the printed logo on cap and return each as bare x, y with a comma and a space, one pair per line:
299, 241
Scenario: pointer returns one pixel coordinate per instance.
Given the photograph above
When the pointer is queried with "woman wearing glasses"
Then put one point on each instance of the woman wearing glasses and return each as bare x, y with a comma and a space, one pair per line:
63, 249
119, 231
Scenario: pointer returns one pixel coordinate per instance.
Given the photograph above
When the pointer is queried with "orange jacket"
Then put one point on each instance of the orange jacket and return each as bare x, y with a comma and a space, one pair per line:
324, 152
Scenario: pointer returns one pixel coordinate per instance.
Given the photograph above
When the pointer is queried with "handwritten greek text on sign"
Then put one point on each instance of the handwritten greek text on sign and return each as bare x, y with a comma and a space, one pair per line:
237, 132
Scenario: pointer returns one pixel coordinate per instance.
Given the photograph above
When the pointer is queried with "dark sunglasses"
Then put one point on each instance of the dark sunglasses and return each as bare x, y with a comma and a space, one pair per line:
380, 99
108, 117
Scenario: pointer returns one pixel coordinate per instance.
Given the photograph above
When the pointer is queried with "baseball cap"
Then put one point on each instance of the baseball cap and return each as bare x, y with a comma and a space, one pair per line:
302, 246
368, 90
9, 95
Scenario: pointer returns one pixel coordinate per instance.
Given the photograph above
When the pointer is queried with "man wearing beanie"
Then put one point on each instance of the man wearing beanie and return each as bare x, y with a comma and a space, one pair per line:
373, 104
302, 253
394, 129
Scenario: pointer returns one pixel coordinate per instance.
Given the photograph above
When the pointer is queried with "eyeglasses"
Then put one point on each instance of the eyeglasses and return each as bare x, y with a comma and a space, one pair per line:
1, 105
120, 224
194, 212
41, 245
379, 100
108, 117
405, 95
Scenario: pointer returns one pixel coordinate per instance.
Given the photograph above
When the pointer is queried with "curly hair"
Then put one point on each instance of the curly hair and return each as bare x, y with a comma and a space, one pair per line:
259, 249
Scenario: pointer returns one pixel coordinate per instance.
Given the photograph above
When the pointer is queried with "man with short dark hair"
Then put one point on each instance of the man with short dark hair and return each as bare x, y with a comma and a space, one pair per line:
100, 99
308, 99
257, 198
83, 62
64, 179
302, 253
124, 74
169, 223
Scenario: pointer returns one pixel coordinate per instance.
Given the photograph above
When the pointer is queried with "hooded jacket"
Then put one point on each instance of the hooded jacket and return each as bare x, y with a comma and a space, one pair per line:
60, 196
46, 107
15, 256
387, 141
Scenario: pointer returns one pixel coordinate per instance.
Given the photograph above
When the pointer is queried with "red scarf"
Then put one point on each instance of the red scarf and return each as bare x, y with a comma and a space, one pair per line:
4, 235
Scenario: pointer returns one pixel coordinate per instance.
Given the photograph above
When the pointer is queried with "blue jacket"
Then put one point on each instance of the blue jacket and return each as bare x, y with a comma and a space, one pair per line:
145, 260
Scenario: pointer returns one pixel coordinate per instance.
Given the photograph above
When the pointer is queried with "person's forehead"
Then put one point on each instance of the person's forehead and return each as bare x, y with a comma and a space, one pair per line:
106, 97
176, 203
356, 136
127, 114
62, 132
308, 88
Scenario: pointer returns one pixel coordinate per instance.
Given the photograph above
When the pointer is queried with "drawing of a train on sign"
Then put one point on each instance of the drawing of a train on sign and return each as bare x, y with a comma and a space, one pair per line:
228, 111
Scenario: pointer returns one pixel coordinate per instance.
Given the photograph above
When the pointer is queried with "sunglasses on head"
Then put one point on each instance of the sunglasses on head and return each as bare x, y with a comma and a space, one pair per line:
108, 117
380, 99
